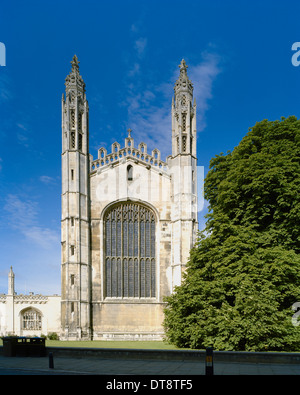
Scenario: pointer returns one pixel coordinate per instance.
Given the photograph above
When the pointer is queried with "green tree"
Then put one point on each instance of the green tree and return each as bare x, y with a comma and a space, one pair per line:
243, 275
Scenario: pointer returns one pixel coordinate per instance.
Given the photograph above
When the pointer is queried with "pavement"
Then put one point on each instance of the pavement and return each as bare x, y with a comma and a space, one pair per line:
97, 366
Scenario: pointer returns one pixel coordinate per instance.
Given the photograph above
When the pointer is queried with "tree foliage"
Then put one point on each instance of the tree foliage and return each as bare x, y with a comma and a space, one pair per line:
243, 274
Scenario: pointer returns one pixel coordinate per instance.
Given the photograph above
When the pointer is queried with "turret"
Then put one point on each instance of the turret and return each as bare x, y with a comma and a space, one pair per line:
183, 115
11, 282
75, 311
183, 168
75, 112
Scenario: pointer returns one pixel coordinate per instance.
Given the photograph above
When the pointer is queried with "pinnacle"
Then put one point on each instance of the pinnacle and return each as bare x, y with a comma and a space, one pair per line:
75, 59
183, 83
183, 65
75, 63
74, 78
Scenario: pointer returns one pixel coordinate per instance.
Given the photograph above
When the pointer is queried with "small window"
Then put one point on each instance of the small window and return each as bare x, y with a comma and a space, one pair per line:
72, 140
72, 307
73, 119
79, 122
80, 141
72, 174
72, 250
72, 279
129, 173
184, 143
72, 221
184, 122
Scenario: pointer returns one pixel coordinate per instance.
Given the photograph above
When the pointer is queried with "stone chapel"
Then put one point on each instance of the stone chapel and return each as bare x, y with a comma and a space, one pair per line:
129, 220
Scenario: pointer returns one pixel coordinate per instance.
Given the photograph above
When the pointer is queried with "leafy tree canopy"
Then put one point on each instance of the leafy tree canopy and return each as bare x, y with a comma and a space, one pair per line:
243, 275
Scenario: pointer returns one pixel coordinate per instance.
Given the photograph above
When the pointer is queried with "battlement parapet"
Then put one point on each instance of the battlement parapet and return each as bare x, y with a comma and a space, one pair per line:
118, 153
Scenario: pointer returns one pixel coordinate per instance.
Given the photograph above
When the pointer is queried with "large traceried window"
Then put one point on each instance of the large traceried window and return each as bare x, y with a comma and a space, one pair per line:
31, 320
130, 267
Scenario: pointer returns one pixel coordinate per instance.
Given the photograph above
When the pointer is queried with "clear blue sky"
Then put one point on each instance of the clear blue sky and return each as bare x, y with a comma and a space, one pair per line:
239, 58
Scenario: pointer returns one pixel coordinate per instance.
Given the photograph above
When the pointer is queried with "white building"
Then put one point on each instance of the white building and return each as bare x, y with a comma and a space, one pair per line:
129, 220
28, 315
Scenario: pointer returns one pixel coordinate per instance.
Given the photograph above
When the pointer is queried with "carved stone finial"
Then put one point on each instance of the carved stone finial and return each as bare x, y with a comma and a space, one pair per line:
75, 60
129, 132
183, 84
74, 79
183, 66
75, 63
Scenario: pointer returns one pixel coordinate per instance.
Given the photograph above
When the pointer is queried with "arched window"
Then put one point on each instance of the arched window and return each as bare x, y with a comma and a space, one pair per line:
31, 319
129, 261
129, 173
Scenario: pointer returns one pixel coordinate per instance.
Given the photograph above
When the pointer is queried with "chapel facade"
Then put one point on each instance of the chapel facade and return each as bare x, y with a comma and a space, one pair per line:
129, 220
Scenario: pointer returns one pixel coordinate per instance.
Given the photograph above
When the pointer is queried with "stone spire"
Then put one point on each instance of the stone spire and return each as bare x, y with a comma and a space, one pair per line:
183, 115
183, 84
74, 81
75, 111
11, 282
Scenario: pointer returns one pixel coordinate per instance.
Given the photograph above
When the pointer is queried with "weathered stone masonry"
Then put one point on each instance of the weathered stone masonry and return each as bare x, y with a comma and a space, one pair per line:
128, 221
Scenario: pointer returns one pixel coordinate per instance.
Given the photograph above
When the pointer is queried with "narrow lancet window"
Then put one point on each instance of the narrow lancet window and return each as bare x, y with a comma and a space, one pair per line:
80, 142
129, 173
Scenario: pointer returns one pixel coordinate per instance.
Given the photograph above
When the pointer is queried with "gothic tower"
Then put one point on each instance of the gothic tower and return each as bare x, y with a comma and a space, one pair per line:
75, 239
183, 168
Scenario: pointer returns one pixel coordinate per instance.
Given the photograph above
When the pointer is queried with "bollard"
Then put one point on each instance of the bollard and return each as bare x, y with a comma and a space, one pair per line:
51, 362
209, 363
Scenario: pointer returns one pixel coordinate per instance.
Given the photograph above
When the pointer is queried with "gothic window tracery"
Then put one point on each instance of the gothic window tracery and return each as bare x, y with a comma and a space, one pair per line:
130, 264
73, 119
79, 122
31, 320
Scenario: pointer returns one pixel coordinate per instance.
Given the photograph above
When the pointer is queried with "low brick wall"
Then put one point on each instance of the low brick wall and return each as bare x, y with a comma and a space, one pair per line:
174, 355
123, 353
